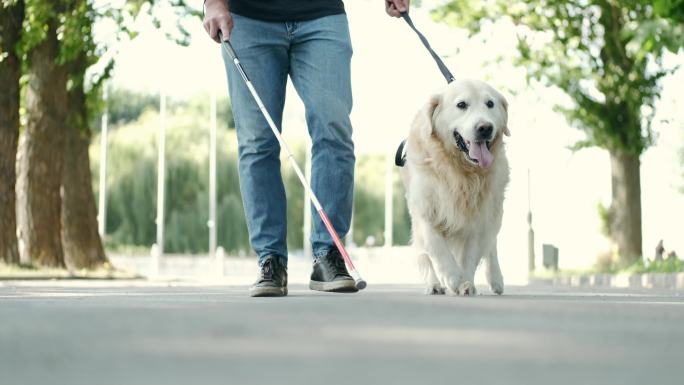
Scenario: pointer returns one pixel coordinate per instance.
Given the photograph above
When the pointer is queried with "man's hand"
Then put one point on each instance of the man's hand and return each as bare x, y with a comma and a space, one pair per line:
217, 18
396, 7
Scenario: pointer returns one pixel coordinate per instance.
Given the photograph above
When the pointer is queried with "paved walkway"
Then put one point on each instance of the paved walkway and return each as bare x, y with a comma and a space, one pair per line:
119, 333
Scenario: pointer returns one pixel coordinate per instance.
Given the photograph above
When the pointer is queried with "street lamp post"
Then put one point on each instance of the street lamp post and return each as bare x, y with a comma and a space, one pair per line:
530, 232
389, 194
307, 207
161, 174
212, 177
102, 201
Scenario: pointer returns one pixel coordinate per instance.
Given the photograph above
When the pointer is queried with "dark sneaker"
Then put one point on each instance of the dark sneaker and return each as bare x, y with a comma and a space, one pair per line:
330, 274
272, 280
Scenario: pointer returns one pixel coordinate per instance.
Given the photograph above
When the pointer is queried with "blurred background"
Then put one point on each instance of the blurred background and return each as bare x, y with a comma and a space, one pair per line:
118, 146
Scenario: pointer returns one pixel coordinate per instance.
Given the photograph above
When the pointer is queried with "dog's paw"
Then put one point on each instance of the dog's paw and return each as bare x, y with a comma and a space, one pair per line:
496, 284
497, 287
452, 284
466, 289
435, 290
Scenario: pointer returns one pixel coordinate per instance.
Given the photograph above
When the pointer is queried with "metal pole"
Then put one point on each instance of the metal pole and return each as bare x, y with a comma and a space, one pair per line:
530, 231
308, 253
389, 194
102, 201
212, 177
161, 173
349, 239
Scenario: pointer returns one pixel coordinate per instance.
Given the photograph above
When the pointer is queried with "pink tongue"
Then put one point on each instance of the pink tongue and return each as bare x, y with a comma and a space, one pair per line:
480, 152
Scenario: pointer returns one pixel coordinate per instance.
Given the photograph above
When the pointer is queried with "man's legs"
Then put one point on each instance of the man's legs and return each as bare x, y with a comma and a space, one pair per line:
320, 59
263, 51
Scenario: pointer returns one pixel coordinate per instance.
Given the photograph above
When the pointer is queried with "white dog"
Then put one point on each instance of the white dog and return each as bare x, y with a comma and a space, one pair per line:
455, 175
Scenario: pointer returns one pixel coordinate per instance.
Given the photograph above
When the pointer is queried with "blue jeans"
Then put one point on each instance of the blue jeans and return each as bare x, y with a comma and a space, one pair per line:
316, 54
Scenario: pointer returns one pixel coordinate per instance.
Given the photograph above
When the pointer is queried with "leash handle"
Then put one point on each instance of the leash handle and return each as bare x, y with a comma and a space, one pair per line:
442, 67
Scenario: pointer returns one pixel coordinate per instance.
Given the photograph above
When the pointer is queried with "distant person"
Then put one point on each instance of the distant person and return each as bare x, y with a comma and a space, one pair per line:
309, 41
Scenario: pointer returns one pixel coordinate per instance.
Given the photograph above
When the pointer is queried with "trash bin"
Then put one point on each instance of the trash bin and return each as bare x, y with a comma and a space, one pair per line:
550, 253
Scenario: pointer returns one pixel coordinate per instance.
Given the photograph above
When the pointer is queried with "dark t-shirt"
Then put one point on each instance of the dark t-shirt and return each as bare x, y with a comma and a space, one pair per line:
286, 10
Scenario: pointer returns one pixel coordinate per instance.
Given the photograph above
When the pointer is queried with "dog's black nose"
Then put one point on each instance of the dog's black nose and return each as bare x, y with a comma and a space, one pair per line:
484, 131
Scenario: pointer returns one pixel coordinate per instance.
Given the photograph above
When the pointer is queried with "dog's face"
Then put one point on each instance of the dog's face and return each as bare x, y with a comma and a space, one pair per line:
469, 116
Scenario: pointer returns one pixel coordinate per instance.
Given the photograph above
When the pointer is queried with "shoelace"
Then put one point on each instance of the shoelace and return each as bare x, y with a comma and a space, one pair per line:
337, 263
267, 270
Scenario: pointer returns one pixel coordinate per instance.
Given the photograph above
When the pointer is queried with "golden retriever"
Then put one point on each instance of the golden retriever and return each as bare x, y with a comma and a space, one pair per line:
455, 175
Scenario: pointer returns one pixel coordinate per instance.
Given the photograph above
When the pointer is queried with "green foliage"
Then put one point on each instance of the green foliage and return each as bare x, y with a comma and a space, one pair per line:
132, 184
126, 106
605, 55
132, 181
667, 265
402, 219
369, 195
74, 21
38, 14
162, 12
369, 203
12, 14
604, 217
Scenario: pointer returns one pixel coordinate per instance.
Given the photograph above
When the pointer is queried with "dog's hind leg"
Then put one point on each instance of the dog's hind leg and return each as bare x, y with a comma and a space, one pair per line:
433, 286
493, 272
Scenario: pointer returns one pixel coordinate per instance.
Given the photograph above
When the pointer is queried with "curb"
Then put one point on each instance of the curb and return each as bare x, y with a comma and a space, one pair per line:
635, 281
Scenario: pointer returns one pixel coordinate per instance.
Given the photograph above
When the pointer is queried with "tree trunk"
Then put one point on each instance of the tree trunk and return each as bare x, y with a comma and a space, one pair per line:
41, 158
82, 244
625, 210
11, 17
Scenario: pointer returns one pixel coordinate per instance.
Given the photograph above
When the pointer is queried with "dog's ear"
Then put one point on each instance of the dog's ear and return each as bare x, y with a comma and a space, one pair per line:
424, 121
504, 103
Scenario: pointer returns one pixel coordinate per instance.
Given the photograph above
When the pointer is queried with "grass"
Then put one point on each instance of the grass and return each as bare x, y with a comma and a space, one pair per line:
31, 272
668, 265
123, 249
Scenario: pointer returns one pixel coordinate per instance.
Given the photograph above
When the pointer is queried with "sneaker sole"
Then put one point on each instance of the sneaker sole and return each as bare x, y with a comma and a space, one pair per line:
268, 292
344, 286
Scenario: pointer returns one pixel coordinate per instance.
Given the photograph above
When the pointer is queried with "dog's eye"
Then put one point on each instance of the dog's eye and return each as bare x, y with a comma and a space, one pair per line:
490, 104
462, 105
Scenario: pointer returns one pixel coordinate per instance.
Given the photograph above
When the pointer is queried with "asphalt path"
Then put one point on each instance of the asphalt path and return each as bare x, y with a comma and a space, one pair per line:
112, 332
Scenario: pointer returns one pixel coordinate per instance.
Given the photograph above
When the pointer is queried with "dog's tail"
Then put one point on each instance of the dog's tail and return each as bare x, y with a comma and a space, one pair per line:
400, 157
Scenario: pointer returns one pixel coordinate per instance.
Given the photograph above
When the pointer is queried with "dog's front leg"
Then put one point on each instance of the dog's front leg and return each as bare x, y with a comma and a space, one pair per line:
468, 253
433, 284
446, 268
493, 272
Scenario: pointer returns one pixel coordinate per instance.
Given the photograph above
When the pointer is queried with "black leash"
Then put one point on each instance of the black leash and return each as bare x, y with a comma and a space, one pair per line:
400, 157
442, 67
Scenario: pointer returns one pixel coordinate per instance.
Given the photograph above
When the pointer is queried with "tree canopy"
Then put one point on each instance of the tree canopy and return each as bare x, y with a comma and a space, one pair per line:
608, 57
605, 54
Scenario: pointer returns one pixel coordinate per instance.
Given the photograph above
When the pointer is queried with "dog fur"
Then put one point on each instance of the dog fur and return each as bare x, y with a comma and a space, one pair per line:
456, 203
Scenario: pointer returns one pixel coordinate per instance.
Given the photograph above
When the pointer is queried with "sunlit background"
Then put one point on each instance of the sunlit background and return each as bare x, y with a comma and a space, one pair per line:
393, 75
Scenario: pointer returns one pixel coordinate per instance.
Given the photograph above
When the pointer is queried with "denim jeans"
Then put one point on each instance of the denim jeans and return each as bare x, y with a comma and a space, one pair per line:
316, 54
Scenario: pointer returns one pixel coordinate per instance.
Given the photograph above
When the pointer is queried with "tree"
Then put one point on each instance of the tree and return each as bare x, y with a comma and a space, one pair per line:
607, 56
11, 18
57, 47
41, 150
81, 240
82, 243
